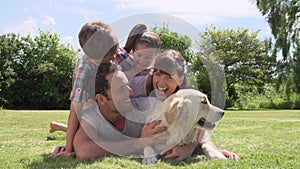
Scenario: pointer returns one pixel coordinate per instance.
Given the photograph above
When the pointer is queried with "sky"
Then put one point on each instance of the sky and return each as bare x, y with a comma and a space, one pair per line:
187, 17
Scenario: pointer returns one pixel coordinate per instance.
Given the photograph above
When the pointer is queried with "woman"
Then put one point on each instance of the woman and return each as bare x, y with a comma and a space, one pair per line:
168, 75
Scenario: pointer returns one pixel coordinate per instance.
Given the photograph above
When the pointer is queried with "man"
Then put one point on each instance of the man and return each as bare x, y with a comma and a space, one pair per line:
103, 131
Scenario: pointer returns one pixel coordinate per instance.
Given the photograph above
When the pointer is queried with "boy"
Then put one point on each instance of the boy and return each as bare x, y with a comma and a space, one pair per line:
99, 44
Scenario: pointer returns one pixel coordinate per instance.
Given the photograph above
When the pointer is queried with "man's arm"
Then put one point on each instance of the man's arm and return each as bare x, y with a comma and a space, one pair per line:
86, 148
183, 152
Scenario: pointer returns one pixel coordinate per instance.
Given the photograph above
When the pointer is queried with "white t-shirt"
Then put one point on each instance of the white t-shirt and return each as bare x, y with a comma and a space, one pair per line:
105, 130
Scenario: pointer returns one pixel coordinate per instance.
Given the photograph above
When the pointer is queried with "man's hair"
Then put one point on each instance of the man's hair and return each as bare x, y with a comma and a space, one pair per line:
97, 40
101, 83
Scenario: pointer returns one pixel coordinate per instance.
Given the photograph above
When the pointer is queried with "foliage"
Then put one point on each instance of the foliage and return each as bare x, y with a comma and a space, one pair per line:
296, 67
173, 40
36, 73
271, 98
262, 139
243, 58
283, 17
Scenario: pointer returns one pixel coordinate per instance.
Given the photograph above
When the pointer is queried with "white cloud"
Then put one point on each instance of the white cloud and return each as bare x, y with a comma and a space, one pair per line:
25, 9
198, 12
68, 40
48, 21
27, 26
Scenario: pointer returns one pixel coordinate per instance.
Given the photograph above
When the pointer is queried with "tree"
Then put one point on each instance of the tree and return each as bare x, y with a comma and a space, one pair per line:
243, 58
173, 40
283, 17
36, 73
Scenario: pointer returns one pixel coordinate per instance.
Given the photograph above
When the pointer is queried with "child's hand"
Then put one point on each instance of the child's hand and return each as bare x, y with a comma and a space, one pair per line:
60, 151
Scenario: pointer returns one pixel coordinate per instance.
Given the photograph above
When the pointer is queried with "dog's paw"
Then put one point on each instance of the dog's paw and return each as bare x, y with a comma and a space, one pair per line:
149, 160
212, 153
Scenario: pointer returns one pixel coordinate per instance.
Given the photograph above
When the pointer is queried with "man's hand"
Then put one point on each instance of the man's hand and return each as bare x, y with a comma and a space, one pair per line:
179, 153
229, 154
152, 134
151, 129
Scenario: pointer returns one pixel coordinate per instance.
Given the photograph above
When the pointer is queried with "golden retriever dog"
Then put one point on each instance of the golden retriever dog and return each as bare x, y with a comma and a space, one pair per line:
183, 113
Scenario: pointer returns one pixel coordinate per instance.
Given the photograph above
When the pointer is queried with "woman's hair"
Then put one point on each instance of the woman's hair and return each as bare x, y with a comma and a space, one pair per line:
171, 62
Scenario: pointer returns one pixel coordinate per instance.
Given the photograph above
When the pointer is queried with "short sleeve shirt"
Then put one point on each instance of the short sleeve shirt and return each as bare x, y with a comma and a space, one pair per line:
84, 81
123, 59
138, 84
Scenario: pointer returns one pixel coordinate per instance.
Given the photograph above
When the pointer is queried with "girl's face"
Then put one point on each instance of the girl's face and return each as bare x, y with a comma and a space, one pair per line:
164, 84
143, 56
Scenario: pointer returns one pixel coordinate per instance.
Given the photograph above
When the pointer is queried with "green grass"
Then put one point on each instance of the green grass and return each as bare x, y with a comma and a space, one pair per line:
262, 139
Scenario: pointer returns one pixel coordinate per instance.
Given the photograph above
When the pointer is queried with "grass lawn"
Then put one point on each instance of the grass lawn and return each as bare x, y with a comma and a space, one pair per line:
262, 139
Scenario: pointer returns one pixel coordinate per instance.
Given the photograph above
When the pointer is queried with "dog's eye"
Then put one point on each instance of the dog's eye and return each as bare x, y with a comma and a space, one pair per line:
204, 101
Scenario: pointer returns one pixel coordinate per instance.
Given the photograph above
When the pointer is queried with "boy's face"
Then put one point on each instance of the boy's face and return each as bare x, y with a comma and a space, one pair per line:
143, 56
119, 92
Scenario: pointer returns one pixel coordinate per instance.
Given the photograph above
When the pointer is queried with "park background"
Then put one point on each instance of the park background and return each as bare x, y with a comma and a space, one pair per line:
258, 67
260, 72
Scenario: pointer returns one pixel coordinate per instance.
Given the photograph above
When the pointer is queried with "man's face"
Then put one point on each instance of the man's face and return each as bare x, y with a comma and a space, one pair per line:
119, 92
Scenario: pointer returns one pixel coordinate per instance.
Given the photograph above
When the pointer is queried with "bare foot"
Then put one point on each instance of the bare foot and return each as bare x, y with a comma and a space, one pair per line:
55, 126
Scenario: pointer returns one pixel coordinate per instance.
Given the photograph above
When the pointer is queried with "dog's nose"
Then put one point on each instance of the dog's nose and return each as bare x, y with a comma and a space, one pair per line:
222, 114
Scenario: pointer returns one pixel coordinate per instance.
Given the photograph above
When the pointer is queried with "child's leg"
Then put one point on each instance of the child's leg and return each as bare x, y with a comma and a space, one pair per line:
56, 126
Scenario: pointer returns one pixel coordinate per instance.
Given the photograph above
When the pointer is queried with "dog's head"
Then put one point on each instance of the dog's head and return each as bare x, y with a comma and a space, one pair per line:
208, 114
192, 106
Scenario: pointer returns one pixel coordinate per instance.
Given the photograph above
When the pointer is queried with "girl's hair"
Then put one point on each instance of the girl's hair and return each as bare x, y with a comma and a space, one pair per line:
149, 39
139, 35
134, 34
171, 62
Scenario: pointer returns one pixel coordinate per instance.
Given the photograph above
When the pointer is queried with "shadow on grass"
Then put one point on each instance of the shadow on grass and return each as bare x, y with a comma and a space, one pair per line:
63, 162
193, 159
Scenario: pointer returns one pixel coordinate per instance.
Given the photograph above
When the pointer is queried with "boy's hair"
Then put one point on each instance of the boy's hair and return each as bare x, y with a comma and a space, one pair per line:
97, 40
101, 83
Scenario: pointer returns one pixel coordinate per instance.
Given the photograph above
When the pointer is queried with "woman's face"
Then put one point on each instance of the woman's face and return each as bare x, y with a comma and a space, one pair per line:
164, 84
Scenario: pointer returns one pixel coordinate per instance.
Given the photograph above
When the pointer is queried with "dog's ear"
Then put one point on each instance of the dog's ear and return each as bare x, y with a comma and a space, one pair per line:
177, 110
183, 109
173, 111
